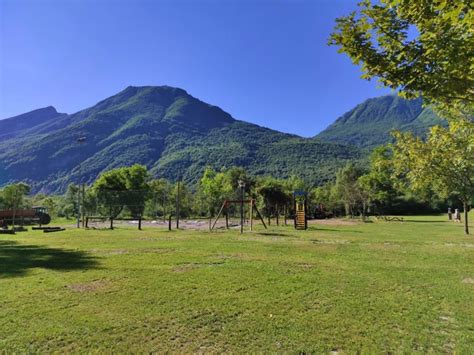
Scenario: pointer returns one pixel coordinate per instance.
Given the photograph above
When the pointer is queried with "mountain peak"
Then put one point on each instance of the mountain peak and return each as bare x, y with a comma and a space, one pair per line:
14, 126
369, 124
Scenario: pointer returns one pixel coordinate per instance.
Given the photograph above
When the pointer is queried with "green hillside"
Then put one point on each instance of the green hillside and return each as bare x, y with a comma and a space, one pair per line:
369, 124
27, 123
174, 134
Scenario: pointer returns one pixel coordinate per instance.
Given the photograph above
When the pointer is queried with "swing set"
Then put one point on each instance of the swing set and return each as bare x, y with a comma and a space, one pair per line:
225, 210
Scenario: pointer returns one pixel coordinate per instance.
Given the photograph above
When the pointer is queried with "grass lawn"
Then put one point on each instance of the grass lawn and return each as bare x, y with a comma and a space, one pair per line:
373, 287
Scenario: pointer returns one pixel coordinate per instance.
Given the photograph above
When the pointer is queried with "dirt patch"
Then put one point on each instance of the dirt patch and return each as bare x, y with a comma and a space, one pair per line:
334, 222
192, 266
155, 251
468, 280
462, 245
93, 286
186, 267
328, 241
305, 266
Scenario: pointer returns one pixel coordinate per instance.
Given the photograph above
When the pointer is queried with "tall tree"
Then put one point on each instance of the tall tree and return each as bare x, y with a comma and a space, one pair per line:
123, 187
14, 195
274, 194
421, 48
214, 188
347, 189
444, 162
378, 185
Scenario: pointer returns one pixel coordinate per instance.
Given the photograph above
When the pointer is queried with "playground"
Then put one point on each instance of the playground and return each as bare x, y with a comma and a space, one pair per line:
340, 286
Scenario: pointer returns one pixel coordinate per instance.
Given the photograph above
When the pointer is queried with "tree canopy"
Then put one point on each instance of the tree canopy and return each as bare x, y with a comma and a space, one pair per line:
421, 48
123, 187
444, 162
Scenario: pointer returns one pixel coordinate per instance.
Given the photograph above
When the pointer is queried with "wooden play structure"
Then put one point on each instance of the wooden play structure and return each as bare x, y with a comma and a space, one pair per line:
225, 210
300, 206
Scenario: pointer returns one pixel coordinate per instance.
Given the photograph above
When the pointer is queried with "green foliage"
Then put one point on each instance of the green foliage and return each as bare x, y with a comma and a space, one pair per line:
13, 196
417, 47
369, 124
170, 132
274, 194
348, 190
160, 201
122, 187
444, 162
379, 184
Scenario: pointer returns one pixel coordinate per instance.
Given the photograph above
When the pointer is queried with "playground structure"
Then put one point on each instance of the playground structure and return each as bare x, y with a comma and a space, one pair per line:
225, 209
301, 207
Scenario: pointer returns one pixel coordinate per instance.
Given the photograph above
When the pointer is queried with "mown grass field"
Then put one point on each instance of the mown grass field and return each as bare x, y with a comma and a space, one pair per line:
373, 287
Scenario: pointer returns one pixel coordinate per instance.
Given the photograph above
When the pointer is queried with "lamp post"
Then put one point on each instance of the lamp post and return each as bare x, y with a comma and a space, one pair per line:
242, 193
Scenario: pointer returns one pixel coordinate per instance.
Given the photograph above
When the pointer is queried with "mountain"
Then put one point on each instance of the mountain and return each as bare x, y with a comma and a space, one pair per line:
174, 134
369, 123
27, 122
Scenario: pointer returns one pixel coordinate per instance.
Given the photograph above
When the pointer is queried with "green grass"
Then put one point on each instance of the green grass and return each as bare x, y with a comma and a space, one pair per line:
373, 287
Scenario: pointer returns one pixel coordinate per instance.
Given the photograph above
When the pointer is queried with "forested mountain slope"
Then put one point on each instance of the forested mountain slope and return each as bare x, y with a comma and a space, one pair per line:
369, 124
174, 134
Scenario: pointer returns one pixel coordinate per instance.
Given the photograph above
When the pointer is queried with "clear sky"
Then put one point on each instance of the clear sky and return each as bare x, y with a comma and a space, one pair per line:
263, 61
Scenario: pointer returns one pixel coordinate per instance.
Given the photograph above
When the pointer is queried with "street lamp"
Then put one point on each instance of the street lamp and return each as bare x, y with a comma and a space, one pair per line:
242, 191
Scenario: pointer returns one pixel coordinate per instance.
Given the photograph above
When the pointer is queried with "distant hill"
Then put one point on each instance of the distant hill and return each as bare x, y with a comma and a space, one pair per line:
174, 134
369, 123
27, 122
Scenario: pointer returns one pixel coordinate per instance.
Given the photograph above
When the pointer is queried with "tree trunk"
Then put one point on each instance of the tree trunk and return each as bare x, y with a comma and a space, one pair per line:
466, 213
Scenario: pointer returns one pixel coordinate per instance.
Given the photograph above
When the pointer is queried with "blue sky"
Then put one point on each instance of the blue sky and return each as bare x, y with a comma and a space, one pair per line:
263, 61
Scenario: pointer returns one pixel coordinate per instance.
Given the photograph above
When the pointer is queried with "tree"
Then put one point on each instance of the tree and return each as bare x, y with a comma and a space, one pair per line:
274, 194
68, 207
326, 201
14, 195
185, 199
378, 185
160, 190
347, 189
123, 187
421, 48
444, 162
213, 187
137, 188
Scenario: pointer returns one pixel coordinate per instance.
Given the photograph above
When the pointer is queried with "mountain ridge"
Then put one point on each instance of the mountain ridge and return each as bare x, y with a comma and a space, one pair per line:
369, 124
176, 136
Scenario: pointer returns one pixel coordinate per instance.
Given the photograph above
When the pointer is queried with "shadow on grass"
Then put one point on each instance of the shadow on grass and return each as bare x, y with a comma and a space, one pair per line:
274, 234
16, 259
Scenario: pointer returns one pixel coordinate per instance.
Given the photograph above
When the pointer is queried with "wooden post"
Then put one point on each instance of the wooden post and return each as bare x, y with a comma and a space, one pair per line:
83, 212
87, 222
219, 214
277, 213
140, 222
164, 208
177, 208
294, 209
305, 213
111, 222
260, 216
251, 214
78, 205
